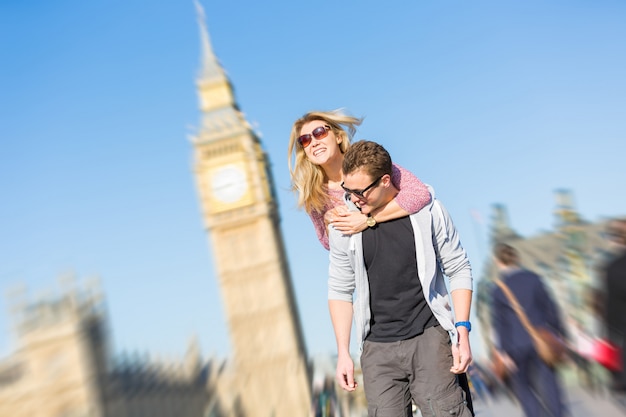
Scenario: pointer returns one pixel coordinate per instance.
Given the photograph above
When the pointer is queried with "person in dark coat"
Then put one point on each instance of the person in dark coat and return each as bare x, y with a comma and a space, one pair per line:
615, 302
533, 382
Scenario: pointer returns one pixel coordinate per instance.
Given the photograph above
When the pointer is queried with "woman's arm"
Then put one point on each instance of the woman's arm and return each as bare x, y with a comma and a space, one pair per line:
413, 196
320, 227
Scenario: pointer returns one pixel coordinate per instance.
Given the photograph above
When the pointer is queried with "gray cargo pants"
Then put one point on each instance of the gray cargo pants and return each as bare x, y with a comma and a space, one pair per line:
417, 369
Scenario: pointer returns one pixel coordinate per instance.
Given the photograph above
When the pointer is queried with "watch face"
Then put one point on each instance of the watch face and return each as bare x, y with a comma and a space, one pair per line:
229, 183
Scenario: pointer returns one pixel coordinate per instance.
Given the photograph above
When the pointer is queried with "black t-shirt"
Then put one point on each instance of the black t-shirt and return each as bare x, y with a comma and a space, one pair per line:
399, 310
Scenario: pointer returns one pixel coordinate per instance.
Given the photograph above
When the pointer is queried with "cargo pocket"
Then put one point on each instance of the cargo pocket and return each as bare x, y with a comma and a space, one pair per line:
449, 403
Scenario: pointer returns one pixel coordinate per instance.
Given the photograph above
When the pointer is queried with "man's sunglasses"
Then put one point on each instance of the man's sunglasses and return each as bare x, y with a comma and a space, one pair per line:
360, 193
317, 133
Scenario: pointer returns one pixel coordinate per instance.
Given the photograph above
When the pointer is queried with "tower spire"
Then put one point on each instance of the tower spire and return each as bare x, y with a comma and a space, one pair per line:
211, 67
220, 111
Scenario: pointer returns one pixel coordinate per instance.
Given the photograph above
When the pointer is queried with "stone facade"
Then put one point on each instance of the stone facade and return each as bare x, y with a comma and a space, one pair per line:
63, 367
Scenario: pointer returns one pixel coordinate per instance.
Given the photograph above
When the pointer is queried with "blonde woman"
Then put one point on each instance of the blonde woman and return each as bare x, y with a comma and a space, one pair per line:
317, 144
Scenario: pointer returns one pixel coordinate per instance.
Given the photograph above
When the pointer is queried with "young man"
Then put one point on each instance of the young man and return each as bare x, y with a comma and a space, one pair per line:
615, 310
534, 383
412, 345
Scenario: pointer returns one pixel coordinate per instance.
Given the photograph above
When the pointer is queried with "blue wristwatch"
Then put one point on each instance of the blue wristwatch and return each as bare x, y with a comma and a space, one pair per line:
465, 324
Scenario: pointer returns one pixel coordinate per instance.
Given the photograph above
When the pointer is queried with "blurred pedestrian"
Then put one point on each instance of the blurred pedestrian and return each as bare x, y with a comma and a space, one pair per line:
533, 382
581, 351
478, 384
325, 402
615, 301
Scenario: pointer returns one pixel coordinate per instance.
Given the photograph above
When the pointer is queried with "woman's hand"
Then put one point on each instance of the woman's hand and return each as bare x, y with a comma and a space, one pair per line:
347, 222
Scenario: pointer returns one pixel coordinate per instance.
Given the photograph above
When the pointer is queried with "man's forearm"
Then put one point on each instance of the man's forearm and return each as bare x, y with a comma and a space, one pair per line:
341, 317
462, 302
461, 352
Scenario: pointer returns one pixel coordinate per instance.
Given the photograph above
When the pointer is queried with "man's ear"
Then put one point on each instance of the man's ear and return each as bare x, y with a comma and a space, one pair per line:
386, 180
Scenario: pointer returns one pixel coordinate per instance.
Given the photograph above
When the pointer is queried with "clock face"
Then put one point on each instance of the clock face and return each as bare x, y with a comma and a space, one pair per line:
229, 183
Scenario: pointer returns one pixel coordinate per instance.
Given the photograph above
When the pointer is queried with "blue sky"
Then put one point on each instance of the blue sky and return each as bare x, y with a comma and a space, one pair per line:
489, 102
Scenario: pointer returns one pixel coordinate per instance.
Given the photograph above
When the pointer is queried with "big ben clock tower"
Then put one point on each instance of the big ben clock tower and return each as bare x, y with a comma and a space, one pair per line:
241, 215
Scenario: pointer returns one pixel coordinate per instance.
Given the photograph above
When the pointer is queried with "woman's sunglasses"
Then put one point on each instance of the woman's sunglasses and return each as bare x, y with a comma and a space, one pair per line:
317, 133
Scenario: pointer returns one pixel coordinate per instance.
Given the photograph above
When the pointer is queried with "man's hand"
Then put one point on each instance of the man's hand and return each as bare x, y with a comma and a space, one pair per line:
345, 372
461, 352
347, 222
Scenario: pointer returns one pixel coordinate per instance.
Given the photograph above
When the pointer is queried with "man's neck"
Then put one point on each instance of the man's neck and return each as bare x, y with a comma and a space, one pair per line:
390, 193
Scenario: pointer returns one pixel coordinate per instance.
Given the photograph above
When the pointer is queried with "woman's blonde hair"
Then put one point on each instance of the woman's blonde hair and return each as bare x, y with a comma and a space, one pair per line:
307, 179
